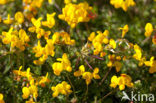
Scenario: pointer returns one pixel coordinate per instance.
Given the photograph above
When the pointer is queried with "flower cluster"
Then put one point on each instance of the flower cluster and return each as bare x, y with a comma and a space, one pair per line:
34, 36
64, 64
99, 40
31, 89
114, 61
88, 76
44, 52
61, 88
151, 64
37, 26
122, 81
30, 7
18, 39
75, 13
124, 4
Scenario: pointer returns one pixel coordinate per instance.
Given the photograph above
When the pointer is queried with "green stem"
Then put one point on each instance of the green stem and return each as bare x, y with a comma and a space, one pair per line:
85, 97
105, 76
71, 85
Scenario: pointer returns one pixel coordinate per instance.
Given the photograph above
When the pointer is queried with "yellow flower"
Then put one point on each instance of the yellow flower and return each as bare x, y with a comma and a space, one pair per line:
50, 20
114, 81
1, 98
65, 62
49, 48
61, 88
67, 1
127, 3
36, 23
98, 48
30, 101
19, 17
124, 4
15, 38
95, 73
2, 2
31, 90
87, 76
26, 92
41, 60
58, 68
8, 20
141, 62
124, 30
6, 36
51, 1
80, 71
112, 43
38, 50
75, 13
122, 81
148, 29
138, 53
62, 38
118, 66
44, 80
152, 64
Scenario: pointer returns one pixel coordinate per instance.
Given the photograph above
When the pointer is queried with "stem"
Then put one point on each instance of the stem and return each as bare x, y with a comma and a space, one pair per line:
78, 34
71, 85
57, 7
94, 56
86, 94
105, 76
88, 64
106, 96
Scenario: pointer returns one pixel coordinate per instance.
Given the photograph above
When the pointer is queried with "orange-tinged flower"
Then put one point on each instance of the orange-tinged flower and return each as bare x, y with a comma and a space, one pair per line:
154, 39
95, 73
80, 71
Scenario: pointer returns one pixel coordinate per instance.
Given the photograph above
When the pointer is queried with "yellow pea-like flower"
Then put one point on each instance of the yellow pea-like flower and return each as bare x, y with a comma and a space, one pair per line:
118, 65
92, 36
26, 92
67, 1
8, 20
95, 73
138, 53
80, 71
121, 81
112, 43
114, 81
36, 22
75, 13
1, 98
148, 29
50, 20
124, 30
58, 68
19, 17
61, 88
87, 76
